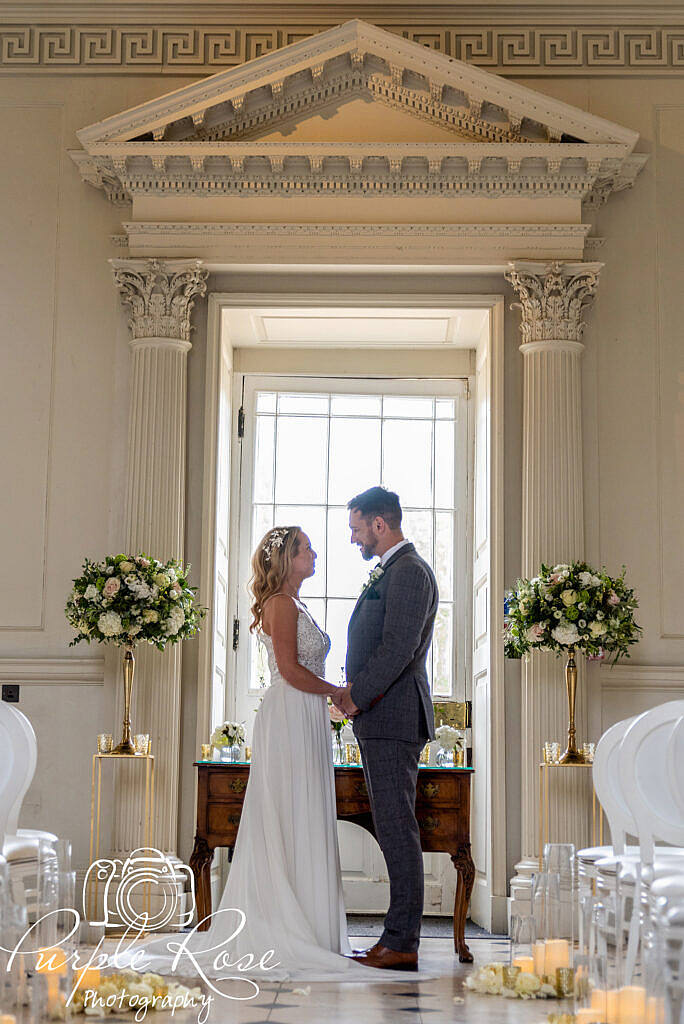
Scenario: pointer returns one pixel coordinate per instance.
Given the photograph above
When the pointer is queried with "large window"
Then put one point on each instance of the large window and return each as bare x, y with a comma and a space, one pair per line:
309, 446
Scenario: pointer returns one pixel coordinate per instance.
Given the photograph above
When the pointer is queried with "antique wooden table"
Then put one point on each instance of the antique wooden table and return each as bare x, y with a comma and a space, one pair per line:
442, 809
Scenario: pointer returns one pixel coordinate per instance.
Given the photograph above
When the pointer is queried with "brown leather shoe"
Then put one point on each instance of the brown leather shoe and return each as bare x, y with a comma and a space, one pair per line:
388, 959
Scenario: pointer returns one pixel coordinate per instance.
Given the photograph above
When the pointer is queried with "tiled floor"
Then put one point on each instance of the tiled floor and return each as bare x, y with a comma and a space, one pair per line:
377, 1002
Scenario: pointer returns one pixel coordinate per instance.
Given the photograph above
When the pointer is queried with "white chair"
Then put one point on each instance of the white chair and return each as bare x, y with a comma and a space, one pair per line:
12, 828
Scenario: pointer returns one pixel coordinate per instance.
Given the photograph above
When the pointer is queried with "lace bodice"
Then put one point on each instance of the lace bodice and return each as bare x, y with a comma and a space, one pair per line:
313, 646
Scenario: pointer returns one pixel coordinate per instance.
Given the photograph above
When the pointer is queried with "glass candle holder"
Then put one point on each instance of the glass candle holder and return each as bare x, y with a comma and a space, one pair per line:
105, 743
425, 755
141, 742
523, 936
588, 750
206, 751
248, 753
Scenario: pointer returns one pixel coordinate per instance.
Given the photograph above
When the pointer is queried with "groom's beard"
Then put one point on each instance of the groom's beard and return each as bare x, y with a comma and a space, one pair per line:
367, 553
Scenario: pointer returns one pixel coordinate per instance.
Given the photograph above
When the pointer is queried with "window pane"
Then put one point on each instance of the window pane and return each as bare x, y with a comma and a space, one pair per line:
444, 464
312, 522
301, 464
416, 408
444, 408
303, 404
442, 652
266, 401
339, 614
263, 462
259, 676
407, 460
262, 522
444, 554
356, 405
347, 571
354, 458
416, 525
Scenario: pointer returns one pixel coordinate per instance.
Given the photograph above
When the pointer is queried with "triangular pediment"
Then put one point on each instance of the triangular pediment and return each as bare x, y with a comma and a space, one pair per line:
359, 56
357, 110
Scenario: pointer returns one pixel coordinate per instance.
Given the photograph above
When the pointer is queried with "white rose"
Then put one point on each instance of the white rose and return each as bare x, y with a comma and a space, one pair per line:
91, 593
109, 624
561, 568
599, 615
134, 630
585, 579
126, 567
565, 633
597, 629
161, 579
149, 615
568, 597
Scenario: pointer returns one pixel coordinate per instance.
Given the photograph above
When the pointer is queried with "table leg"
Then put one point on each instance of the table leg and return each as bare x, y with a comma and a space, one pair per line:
463, 862
200, 864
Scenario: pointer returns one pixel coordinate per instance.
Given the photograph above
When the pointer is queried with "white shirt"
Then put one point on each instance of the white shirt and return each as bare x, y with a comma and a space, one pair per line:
390, 551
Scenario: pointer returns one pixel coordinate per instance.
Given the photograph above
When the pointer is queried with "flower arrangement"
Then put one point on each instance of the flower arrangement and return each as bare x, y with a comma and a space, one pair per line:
230, 734
130, 599
448, 738
571, 606
492, 980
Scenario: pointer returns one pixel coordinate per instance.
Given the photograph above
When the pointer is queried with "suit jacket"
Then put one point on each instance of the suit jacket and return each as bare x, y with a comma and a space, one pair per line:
389, 635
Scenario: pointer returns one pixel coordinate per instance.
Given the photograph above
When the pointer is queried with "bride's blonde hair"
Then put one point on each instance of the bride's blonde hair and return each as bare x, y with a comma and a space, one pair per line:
271, 564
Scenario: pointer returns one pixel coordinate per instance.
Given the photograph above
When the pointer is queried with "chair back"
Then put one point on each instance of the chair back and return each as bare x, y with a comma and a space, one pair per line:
17, 765
608, 785
644, 759
675, 763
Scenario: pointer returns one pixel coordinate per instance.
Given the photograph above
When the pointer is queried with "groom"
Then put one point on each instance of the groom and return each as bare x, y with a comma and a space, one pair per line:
388, 696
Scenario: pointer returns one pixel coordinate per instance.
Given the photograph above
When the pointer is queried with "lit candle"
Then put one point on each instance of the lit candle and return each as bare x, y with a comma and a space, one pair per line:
538, 955
587, 1016
51, 960
89, 978
556, 954
525, 963
52, 992
613, 1006
655, 1010
632, 1004
599, 1003
7, 1018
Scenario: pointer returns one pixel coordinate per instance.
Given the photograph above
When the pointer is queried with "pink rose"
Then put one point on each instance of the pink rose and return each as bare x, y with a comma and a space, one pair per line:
554, 577
177, 587
144, 563
111, 587
613, 598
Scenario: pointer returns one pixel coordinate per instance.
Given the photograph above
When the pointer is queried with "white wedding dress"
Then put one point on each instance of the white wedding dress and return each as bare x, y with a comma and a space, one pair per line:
285, 872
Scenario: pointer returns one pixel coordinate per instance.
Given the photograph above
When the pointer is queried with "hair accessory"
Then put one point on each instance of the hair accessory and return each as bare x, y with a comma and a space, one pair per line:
275, 540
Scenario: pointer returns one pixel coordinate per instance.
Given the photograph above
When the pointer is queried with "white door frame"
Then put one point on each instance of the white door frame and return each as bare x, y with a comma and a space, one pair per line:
489, 904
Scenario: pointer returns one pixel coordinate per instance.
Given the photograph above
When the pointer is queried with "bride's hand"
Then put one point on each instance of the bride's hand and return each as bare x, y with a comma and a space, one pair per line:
336, 715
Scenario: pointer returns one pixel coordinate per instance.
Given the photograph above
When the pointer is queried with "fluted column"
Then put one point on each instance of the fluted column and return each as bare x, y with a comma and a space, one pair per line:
160, 295
552, 299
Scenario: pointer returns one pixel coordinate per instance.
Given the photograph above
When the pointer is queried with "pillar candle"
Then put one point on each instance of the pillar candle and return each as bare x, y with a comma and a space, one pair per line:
52, 960
7, 1018
587, 1016
599, 1003
525, 963
89, 978
556, 954
538, 955
613, 1006
655, 1010
632, 1004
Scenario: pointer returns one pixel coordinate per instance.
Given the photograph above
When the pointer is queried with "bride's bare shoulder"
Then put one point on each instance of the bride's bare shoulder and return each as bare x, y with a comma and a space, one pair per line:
278, 611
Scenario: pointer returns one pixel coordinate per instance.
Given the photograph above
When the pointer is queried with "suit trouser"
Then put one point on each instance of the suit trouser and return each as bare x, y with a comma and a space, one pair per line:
391, 771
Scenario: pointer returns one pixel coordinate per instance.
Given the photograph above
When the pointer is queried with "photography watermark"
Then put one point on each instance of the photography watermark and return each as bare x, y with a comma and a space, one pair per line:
136, 984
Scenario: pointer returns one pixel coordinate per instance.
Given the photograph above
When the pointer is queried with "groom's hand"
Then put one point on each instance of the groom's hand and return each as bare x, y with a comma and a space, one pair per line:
345, 703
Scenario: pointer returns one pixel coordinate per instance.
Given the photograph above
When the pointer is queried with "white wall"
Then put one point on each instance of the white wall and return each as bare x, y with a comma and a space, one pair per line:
64, 403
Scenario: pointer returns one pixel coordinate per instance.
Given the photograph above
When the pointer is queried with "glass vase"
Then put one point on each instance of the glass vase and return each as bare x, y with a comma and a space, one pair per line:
230, 754
337, 748
444, 758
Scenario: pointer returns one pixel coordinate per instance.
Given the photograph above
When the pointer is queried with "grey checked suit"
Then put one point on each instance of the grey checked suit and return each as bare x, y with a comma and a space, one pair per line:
389, 635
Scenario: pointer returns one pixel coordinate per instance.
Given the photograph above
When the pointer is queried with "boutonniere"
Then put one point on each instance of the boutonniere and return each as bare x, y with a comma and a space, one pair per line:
377, 573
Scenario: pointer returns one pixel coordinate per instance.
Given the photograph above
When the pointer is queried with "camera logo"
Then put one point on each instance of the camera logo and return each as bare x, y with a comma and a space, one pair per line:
144, 891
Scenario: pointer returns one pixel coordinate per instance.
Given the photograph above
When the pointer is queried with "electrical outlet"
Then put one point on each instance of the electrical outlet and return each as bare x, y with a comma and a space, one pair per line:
10, 693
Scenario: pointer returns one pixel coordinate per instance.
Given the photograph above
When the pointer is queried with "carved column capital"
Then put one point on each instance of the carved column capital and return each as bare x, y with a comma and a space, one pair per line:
552, 299
160, 294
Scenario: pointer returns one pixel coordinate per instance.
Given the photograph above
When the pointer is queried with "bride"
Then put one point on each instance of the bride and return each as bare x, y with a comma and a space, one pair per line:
284, 888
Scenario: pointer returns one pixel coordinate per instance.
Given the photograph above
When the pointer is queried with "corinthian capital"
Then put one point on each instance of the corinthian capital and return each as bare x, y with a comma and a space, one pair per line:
552, 298
160, 294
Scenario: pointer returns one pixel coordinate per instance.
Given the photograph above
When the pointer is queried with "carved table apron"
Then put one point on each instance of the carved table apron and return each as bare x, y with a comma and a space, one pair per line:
442, 809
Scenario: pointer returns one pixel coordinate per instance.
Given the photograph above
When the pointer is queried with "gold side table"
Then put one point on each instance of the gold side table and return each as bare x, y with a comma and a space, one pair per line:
544, 778
148, 824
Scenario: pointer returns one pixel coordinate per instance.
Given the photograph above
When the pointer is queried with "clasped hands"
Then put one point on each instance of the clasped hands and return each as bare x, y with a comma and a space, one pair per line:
342, 700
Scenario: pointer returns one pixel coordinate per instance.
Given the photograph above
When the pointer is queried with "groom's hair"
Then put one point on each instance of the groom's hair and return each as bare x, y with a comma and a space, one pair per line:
378, 501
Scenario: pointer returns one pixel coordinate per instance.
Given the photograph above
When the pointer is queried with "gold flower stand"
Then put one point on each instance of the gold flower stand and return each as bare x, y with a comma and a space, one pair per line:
544, 780
95, 804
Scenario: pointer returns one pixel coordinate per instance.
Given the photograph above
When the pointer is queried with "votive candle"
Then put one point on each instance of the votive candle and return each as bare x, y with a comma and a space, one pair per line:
525, 963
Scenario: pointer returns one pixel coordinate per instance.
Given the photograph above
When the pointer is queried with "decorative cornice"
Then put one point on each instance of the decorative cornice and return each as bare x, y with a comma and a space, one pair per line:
40, 671
607, 42
161, 294
552, 298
